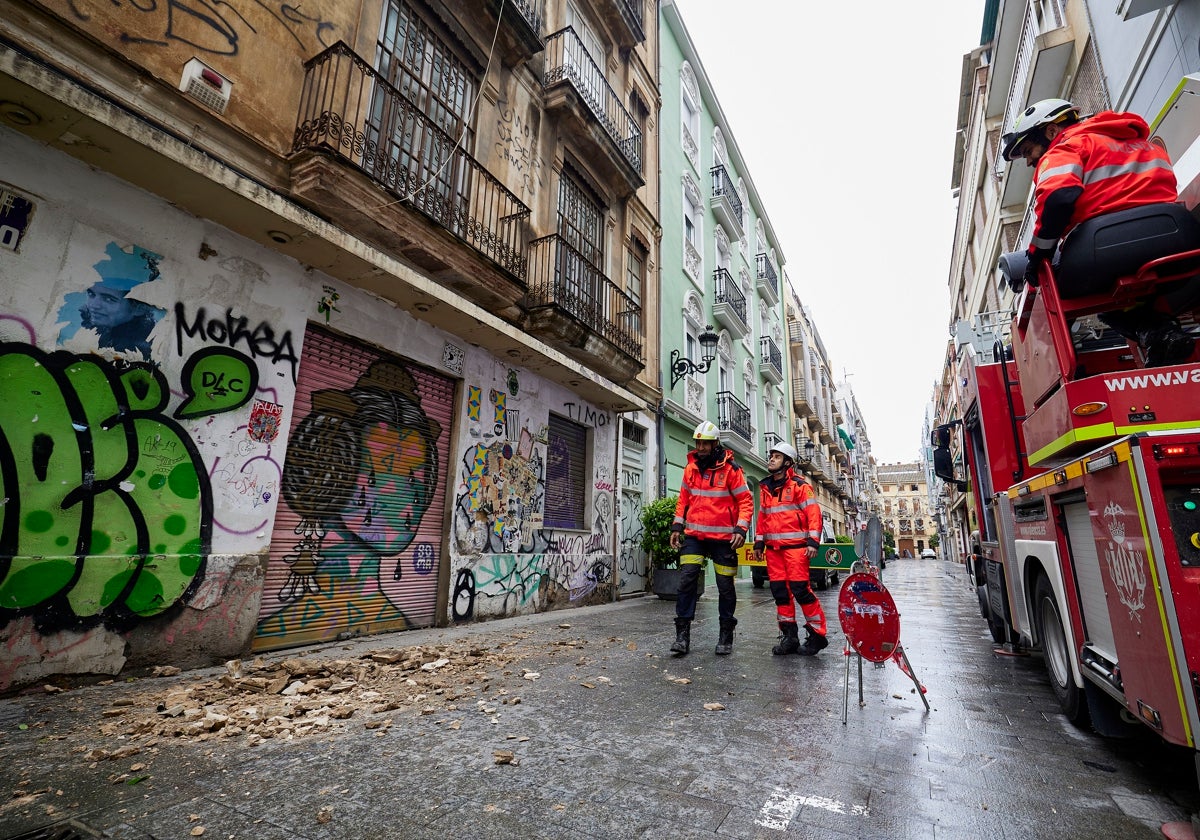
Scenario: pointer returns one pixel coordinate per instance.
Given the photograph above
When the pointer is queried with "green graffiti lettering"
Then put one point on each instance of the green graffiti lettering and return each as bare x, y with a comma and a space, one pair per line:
109, 511
217, 379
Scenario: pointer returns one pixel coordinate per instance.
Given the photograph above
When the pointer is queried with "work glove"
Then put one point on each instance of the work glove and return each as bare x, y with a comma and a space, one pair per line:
1032, 268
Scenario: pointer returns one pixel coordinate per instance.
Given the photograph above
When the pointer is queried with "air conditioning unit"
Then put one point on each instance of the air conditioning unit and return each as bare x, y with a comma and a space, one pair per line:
206, 85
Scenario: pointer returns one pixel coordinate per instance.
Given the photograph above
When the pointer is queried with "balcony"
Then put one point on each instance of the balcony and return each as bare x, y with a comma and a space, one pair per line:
770, 359
577, 90
1039, 42
519, 37
574, 307
770, 440
733, 417
725, 202
800, 397
767, 279
729, 304
352, 119
626, 19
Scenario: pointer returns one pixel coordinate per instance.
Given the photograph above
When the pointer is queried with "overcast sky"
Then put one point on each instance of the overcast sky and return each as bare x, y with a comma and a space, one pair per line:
845, 115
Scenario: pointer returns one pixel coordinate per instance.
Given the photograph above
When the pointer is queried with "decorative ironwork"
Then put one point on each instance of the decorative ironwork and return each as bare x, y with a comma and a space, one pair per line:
770, 355
634, 12
767, 274
561, 277
568, 60
722, 187
728, 291
682, 366
350, 111
733, 415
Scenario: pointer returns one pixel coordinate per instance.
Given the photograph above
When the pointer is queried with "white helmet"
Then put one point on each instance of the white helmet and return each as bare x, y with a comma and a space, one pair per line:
1034, 118
785, 449
707, 431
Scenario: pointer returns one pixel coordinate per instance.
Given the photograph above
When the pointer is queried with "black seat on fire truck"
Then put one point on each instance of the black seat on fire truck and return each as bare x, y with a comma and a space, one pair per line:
1103, 249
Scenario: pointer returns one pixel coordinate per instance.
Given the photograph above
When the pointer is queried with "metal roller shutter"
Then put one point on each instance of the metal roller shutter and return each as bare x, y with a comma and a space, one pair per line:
358, 537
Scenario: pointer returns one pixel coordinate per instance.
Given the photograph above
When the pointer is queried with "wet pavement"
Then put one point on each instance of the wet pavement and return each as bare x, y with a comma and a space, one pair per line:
580, 724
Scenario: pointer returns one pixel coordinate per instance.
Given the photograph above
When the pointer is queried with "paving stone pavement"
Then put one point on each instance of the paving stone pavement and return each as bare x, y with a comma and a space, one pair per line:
613, 740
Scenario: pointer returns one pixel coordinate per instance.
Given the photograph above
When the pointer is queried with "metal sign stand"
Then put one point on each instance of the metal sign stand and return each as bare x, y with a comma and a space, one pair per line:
870, 620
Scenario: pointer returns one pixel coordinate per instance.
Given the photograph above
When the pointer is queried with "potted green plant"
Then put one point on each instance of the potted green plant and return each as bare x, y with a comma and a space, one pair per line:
656, 542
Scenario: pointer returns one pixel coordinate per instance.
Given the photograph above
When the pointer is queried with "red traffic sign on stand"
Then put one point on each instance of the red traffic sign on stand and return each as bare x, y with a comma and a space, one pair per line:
869, 617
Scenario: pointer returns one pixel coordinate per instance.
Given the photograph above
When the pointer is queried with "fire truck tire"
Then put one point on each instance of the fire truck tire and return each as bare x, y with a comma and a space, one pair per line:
996, 625
1056, 653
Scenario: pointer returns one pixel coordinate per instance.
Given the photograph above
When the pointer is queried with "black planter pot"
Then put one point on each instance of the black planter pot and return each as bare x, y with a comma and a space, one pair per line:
665, 584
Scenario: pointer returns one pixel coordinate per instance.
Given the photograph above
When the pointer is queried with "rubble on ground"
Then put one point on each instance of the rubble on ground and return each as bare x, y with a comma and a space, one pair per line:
297, 697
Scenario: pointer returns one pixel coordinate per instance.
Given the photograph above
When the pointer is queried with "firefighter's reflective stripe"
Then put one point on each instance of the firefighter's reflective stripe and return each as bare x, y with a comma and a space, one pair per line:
788, 515
1111, 161
713, 502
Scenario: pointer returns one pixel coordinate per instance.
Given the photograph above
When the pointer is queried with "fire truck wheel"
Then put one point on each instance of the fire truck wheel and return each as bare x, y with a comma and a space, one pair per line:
1056, 652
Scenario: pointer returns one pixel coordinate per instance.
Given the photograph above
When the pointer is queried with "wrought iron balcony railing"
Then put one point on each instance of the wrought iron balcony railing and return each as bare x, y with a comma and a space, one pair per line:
353, 113
561, 276
728, 292
527, 9
770, 439
733, 415
634, 12
768, 278
567, 60
770, 358
726, 201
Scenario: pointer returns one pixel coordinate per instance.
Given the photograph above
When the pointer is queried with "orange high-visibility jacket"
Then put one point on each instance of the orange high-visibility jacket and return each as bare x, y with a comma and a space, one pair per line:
789, 515
1101, 165
713, 504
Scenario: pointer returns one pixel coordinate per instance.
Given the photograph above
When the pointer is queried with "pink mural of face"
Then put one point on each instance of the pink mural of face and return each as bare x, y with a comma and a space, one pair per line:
392, 491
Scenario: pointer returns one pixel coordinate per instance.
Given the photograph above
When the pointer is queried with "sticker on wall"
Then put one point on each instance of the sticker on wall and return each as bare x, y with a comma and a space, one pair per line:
452, 358
265, 418
16, 213
327, 305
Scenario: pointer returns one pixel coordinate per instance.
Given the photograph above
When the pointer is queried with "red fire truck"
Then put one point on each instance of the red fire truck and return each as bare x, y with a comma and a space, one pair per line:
1083, 466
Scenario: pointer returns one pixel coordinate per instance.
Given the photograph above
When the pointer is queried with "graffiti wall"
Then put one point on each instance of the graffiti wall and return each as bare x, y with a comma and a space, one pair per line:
533, 514
196, 458
358, 536
258, 46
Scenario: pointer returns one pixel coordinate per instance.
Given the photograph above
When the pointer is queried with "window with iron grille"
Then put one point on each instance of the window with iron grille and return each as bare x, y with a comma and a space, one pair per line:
417, 130
635, 274
566, 475
581, 218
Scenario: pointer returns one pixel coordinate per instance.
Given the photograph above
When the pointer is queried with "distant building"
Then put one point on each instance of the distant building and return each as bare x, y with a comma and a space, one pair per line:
905, 512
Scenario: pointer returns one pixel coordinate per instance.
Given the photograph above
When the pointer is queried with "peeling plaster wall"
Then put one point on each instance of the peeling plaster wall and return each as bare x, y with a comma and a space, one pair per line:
156, 357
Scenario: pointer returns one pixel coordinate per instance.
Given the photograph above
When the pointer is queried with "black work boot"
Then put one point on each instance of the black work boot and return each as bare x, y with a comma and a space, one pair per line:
814, 644
725, 639
789, 641
683, 636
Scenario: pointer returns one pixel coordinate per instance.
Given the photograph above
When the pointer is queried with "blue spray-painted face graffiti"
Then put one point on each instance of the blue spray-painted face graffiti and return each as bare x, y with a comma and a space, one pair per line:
109, 306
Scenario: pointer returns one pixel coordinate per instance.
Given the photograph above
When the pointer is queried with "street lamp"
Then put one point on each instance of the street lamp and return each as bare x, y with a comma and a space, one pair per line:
681, 365
810, 449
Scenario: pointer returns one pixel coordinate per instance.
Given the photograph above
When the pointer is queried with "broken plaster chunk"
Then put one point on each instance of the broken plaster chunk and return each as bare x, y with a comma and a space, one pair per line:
714, 707
435, 664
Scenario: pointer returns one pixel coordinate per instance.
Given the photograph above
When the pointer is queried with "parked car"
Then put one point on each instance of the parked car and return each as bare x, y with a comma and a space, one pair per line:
928, 554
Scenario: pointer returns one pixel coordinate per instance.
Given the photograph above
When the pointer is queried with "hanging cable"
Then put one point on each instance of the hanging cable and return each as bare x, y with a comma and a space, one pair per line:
467, 122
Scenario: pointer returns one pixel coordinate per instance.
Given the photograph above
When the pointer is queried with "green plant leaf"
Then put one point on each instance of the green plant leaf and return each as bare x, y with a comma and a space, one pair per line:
656, 520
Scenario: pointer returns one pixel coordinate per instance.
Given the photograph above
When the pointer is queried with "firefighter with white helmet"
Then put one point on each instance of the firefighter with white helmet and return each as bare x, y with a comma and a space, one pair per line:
712, 518
788, 534
1091, 168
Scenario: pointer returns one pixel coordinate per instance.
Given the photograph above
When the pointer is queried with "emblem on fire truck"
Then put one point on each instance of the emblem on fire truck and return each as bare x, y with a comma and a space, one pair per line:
1126, 567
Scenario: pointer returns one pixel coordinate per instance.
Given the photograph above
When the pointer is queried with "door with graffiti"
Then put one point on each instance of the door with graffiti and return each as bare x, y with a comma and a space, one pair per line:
358, 541
631, 565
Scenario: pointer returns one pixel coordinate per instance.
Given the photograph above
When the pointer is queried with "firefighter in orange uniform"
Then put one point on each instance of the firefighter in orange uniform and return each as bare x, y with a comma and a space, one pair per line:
789, 533
712, 518
1089, 167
